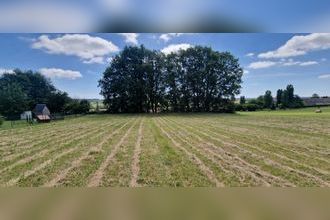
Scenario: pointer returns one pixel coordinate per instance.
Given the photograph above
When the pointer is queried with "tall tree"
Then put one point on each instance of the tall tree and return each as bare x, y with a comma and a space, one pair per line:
279, 97
196, 79
285, 99
57, 101
290, 91
268, 99
242, 100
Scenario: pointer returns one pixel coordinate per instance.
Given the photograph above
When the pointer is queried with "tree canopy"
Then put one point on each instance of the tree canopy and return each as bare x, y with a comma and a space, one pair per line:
194, 80
22, 90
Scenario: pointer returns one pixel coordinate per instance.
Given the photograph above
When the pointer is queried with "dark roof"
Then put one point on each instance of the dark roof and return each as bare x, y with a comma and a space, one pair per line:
39, 108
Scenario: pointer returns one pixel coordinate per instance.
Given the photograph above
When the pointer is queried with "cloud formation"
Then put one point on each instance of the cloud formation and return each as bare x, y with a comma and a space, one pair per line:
282, 62
250, 55
291, 62
130, 38
88, 48
300, 45
324, 76
261, 64
60, 73
3, 71
169, 36
174, 48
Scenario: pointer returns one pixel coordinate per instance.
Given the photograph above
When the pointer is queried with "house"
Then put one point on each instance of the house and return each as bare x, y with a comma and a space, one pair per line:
42, 113
27, 115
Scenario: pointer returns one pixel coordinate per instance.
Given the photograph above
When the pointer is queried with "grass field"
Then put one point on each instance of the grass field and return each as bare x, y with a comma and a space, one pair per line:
282, 148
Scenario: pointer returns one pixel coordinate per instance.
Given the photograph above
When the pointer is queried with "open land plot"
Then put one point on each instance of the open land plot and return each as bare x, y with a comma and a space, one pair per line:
275, 148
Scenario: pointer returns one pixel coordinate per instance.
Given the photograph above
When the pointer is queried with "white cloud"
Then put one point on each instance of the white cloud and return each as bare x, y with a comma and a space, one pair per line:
99, 60
173, 48
300, 45
246, 71
250, 55
325, 76
262, 64
169, 36
308, 63
291, 62
60, 73
3, 71
89, 49
130, 38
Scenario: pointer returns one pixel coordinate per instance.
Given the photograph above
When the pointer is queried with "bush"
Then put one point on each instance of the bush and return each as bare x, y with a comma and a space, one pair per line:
250, 107
239, 107
1, 120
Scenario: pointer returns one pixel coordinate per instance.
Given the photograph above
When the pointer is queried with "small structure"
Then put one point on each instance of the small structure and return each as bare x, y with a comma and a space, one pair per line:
322, 101
42, 113
318, 110
27, 115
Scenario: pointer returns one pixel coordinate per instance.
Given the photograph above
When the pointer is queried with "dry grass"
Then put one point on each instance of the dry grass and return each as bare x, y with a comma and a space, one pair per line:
284, 148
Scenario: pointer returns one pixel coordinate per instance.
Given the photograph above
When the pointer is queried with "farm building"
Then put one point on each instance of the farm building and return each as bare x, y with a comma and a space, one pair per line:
322, 101
42, 113
27, 115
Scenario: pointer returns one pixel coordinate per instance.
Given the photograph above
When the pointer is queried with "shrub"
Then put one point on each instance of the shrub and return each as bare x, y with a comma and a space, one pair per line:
250, 107
1, 120
238, 107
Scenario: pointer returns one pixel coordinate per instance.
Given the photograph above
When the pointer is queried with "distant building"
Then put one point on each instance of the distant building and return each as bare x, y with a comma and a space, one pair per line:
27, 115
322, 101
42, 113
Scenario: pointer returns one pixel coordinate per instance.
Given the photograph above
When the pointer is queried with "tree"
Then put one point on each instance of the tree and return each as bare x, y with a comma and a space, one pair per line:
76, 106
13, 101
35, 86
242, 100
285, 99
1, 120
84, 106
316, 96
57, 101
196, 79
290, 93
279, 97
268, 99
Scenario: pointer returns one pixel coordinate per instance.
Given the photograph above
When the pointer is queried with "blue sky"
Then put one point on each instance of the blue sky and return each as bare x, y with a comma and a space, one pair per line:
75, 63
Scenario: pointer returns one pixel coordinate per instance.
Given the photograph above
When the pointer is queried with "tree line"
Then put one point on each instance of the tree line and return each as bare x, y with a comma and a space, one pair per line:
198, 79
22, 90
285, 98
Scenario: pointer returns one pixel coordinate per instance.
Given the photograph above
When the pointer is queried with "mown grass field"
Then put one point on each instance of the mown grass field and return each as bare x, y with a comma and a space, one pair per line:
282, 148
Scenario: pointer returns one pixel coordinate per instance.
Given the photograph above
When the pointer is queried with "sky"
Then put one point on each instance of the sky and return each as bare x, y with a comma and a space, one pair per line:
281, 16
75, 62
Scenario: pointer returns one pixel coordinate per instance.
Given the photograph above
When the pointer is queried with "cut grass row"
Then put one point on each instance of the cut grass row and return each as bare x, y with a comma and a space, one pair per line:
168, 150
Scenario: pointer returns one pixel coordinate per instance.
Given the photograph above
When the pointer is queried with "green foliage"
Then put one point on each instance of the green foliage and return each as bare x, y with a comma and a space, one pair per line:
76, 106
279, 97
1, 120
13, 100
57, 101
268, 100
197, 79
242, 100
23, 90
316, 96
84, 106
257, 103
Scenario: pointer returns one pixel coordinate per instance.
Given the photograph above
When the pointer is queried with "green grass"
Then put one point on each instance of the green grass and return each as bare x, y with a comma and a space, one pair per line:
265, 148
